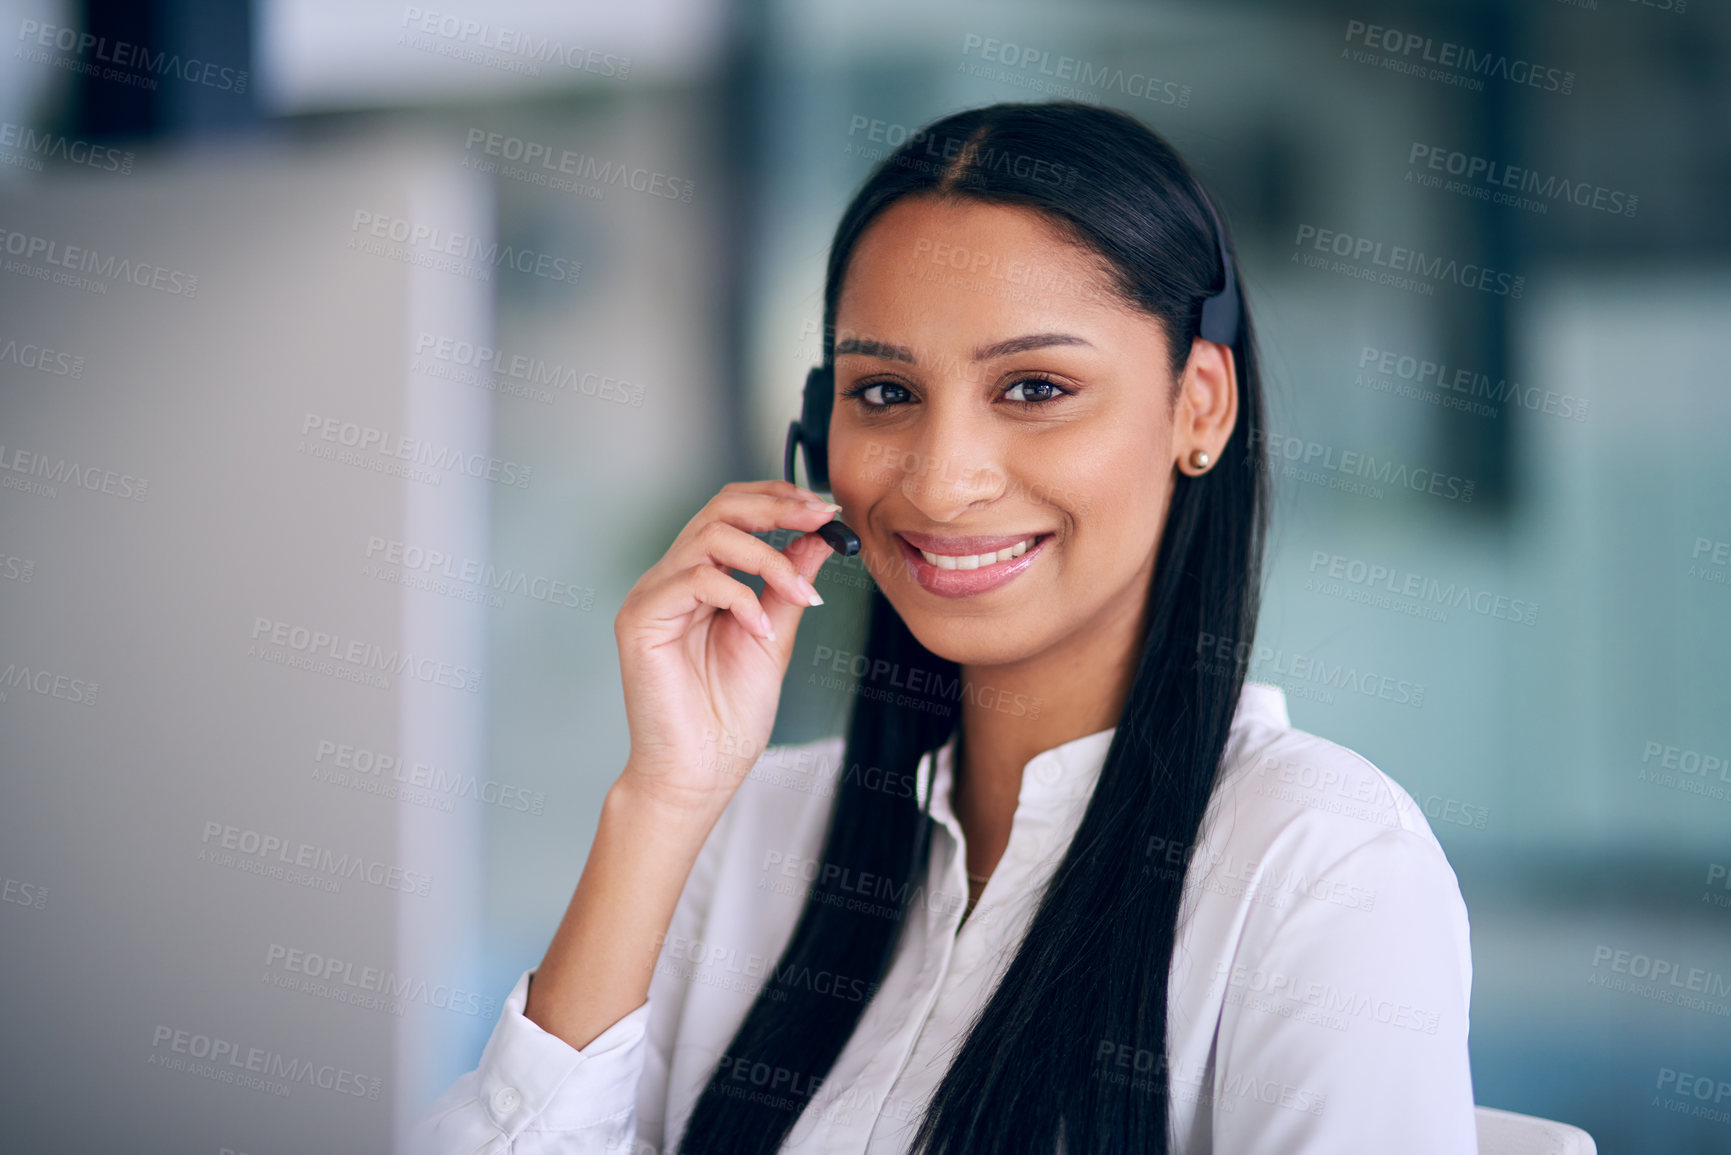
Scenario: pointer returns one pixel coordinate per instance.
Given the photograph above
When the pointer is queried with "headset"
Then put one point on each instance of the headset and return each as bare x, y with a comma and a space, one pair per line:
1219, 323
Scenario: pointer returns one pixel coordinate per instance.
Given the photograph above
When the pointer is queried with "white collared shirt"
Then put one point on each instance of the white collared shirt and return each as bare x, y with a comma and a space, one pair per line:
1317, 1002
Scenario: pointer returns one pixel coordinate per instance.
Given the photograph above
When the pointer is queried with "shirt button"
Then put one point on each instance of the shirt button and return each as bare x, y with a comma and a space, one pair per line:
505, 1100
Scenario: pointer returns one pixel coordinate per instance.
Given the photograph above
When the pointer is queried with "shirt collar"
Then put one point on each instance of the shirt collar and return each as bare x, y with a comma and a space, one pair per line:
1062, 779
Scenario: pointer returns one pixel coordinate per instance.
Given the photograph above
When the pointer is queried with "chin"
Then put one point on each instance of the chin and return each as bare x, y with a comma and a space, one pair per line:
985, 640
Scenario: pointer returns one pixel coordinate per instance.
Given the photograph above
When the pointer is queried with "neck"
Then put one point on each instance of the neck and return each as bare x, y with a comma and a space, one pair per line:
1012, 713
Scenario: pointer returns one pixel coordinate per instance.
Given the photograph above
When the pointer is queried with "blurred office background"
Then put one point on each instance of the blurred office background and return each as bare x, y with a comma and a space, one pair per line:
305, 726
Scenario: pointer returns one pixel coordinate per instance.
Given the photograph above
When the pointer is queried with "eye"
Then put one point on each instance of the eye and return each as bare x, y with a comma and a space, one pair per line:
1042, 392
865, 390
1036, 392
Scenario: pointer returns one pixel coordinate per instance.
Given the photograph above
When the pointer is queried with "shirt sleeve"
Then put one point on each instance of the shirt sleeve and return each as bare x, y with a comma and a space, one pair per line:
1345, 1018
534, 1094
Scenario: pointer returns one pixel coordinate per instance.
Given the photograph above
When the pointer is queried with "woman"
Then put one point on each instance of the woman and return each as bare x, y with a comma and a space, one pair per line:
1070, 883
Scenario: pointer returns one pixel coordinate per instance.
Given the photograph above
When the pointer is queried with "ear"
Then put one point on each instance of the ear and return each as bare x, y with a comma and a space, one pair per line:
1207, 406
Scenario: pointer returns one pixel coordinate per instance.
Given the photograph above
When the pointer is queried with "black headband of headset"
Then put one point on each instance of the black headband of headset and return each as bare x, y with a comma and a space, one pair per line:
1220, 310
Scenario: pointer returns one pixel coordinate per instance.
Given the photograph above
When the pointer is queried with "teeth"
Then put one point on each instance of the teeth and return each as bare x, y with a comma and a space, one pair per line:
977, 560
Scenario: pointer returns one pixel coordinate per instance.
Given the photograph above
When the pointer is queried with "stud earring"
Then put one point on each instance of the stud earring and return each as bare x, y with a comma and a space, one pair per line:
1199, 459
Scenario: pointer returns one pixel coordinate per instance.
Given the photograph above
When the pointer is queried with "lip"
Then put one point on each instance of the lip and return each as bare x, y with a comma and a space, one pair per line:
962, 583
963, 546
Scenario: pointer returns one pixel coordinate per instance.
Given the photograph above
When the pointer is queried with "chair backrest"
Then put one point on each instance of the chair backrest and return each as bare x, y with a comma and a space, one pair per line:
1506, 1133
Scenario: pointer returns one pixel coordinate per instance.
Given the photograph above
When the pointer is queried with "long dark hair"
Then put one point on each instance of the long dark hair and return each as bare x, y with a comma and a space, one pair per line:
1091, 975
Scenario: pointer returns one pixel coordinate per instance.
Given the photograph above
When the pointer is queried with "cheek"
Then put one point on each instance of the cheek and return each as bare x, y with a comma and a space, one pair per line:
870, 466
1097, 474
1117, 493
856, 466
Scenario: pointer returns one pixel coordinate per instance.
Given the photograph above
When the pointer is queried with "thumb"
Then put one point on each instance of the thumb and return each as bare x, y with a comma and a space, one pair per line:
807, 552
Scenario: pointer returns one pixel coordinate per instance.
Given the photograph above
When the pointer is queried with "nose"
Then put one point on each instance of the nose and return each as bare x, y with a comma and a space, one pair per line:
951, 465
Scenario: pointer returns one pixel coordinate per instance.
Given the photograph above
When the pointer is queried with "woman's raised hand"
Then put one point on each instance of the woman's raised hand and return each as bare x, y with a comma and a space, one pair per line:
701, 656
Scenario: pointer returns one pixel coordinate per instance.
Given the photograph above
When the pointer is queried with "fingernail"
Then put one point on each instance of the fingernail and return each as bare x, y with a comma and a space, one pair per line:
827, 506
769, 630
812, 597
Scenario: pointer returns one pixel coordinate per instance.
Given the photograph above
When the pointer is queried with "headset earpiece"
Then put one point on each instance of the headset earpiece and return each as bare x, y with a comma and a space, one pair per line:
811, 432
814, 409
1220, 312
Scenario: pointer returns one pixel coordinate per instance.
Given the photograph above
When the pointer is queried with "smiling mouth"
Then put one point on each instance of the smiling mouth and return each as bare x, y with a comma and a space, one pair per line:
964, 575
979, 560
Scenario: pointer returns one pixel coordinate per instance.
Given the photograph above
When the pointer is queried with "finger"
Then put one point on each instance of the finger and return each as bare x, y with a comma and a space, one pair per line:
759, 512
753, 513
704, 585
730, 547
806, 553
775, 487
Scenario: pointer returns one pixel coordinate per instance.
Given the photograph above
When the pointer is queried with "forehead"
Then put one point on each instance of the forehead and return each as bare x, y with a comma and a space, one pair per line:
944, 272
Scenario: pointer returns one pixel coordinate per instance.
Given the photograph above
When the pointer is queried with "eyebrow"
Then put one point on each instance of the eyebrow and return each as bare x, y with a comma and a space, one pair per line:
887, 352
